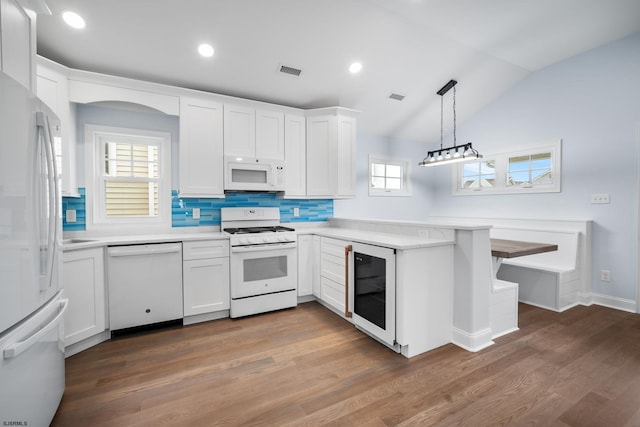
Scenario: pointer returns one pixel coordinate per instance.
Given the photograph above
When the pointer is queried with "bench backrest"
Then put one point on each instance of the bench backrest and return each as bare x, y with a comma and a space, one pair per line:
565, 258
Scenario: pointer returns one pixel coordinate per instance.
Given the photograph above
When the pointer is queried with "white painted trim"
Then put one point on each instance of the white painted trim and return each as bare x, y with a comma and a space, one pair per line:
613, 302
205, 317
637, 213
471, 342
87, 343
505, 332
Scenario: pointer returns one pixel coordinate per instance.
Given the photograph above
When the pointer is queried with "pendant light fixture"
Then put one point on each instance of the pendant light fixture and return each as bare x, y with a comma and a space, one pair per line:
456, 153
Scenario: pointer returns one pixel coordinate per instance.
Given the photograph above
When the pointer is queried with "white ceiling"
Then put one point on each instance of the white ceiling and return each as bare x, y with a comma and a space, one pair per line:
410, 47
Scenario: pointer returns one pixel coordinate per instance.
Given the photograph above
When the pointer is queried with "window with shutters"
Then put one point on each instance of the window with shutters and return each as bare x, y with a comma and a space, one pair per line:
132, 176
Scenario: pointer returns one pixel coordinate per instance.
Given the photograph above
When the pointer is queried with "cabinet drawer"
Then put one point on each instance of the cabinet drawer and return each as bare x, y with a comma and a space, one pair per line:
203, 249
332, 293
333, 246
332, 267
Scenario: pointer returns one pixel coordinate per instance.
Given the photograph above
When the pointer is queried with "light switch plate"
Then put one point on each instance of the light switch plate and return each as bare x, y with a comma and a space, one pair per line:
71, 215
196, 213
602, 198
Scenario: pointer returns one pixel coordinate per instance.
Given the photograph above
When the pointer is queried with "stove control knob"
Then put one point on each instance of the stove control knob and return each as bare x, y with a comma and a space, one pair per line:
254, 240
243, 240
282, 238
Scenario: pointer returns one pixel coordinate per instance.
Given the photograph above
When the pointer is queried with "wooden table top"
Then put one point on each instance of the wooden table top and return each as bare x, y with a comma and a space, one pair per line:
515, 248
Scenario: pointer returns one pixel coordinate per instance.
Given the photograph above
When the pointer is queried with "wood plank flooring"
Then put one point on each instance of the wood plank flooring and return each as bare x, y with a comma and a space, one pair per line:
307, 366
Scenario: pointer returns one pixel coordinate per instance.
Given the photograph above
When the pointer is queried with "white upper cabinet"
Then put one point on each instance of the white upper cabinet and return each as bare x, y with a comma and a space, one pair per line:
250, 132
321, 145
239, 131
53, 89
346, 150
18, 43
270, 135
331, 144
201, 148
295, 155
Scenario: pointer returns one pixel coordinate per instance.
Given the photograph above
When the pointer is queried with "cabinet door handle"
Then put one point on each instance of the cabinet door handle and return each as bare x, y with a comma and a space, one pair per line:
347, 249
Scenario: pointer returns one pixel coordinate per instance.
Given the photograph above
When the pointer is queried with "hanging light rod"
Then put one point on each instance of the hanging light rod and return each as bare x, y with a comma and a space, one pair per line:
456, 153
447, 87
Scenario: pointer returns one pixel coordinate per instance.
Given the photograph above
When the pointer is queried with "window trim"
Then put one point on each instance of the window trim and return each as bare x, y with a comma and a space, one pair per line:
95, 205
405, 164
501, 160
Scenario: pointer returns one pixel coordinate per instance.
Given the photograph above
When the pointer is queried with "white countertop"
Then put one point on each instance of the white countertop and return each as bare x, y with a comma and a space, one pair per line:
94, 242
351, 230
387, 240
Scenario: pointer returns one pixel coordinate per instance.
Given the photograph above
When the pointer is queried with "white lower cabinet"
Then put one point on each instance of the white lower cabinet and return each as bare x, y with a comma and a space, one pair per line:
332, 273
83, 283
205, 276
306, 266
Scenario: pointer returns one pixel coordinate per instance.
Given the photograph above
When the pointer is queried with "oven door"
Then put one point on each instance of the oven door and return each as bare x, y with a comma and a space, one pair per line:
372, 291
263, 269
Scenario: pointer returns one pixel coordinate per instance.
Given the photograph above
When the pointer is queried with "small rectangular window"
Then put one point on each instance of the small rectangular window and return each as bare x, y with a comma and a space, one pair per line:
388, 177
529, 170
479, 175
533, 170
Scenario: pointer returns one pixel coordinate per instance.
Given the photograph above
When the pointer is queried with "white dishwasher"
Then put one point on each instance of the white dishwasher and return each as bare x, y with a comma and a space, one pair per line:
145, 284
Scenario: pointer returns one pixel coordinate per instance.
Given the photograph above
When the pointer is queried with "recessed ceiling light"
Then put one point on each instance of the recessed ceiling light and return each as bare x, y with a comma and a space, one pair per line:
73, 20
355, 68
205, 50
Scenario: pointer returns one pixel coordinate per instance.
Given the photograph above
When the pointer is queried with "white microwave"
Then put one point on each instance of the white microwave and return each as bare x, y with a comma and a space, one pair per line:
251, 174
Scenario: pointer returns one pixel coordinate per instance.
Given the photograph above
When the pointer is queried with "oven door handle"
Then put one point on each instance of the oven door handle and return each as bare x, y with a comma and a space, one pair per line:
347, 250
267, 247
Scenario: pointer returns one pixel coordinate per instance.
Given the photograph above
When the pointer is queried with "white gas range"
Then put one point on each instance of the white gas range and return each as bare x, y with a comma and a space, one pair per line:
263, 260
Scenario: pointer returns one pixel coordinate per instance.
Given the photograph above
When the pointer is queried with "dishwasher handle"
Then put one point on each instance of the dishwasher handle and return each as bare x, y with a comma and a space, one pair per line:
135, 250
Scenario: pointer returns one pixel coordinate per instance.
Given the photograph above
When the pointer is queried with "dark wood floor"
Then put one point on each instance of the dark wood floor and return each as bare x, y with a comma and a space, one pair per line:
306, 366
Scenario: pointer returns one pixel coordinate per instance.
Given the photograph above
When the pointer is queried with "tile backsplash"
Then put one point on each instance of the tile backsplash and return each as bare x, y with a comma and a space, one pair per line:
77, 204
310, 210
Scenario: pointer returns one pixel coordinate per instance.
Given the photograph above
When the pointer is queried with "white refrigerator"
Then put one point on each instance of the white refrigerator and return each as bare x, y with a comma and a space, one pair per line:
31, 304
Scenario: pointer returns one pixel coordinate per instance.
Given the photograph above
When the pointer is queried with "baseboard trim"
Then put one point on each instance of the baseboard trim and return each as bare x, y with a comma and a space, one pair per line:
613, 302
471, 341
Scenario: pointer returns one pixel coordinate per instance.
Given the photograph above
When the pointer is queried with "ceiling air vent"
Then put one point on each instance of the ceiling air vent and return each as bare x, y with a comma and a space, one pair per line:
290, 70
396, 96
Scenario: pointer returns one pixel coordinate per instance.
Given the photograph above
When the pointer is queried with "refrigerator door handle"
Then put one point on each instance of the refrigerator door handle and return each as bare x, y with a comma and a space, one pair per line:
52, 184
14, 350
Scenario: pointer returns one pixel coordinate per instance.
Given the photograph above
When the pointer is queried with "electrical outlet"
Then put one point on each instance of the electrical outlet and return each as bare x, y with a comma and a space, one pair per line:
70, 215
296, 211
605, 275
602, 198
196, 213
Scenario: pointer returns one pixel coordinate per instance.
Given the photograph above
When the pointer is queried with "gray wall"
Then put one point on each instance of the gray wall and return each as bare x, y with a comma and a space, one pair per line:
591, 102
